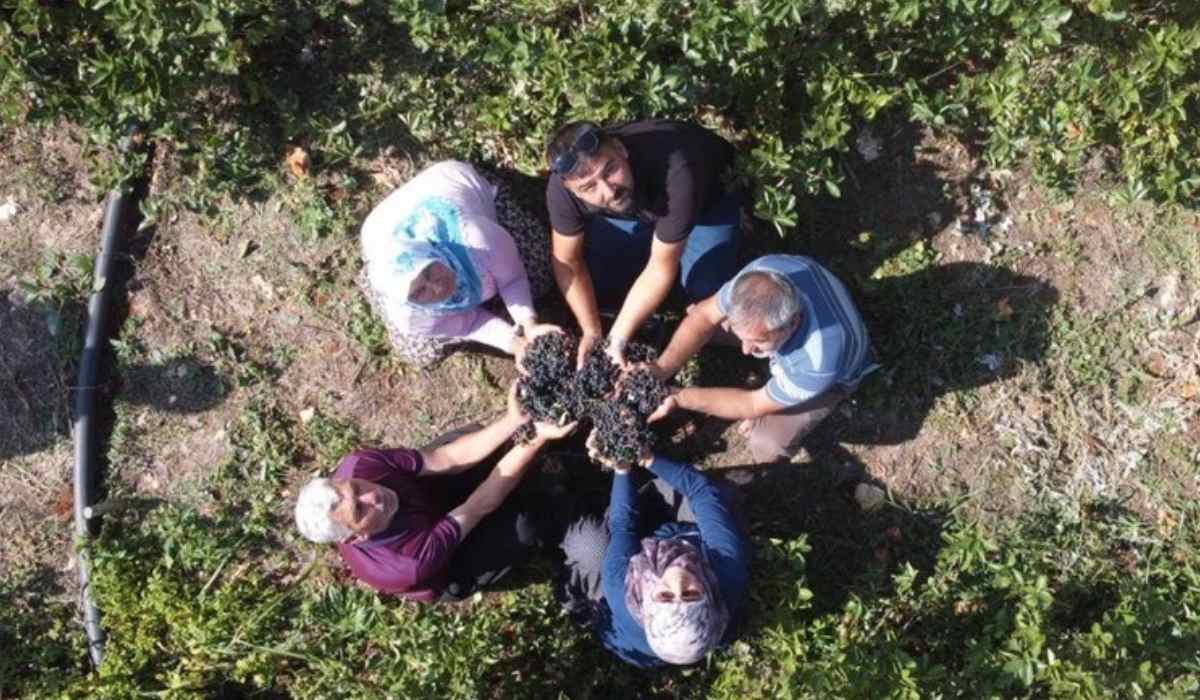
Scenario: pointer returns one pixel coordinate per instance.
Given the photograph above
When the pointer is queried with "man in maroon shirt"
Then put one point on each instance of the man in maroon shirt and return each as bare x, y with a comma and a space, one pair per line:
428, 538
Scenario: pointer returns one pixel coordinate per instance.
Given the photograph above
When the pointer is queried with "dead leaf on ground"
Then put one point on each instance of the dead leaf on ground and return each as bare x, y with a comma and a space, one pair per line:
297, 162
1156, 365
64, 503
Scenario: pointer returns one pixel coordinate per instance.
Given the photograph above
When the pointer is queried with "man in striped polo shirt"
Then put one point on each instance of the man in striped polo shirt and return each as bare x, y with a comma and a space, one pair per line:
797, 315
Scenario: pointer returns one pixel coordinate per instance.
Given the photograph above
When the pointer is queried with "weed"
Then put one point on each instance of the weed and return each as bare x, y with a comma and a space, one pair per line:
365, 329
59, 286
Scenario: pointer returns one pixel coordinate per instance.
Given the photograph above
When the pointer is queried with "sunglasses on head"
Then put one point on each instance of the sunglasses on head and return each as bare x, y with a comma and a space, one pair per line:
585, 144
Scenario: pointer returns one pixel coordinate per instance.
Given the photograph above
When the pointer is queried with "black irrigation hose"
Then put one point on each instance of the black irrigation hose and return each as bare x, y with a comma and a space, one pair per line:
86, 438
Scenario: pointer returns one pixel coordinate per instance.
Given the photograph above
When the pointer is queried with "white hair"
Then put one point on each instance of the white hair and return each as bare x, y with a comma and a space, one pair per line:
314, 508
764, 296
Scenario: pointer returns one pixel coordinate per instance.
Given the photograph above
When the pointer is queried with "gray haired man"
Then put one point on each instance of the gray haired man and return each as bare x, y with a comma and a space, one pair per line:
794, 313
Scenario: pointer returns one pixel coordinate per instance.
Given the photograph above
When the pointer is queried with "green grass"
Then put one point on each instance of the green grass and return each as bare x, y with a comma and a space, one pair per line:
1049, 548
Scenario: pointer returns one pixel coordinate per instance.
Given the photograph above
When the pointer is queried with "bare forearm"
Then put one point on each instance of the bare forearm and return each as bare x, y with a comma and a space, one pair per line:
731, 404
648, 292
503, 478
693, 333
575, 282
473, 447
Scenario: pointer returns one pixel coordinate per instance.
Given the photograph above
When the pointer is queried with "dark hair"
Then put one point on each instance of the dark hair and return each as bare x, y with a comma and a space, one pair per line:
564, 139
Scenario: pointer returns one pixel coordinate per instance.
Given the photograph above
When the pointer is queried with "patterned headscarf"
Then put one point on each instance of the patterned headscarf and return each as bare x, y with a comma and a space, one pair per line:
432, 232
679, 632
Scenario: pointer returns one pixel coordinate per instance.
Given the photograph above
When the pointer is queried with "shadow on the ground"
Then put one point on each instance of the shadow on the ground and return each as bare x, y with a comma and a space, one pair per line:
29, 612
936, 328
849, 552
944, 329
36, 405
852, 551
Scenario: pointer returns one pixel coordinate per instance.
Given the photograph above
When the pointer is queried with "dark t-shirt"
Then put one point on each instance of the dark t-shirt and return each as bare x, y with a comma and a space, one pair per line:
677, 169
411, 555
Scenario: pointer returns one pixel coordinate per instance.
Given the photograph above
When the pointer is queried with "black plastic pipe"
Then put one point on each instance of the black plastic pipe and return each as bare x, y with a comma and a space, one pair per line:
86, 438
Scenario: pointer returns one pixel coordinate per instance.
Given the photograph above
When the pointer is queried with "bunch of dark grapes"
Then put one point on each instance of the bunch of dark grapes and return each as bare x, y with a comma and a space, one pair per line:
552, 391
638, 353
595, 381
642, 392
545, 392
621, 434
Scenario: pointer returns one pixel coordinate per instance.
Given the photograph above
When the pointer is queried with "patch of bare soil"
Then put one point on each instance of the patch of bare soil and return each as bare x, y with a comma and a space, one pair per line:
247, 307
50, 212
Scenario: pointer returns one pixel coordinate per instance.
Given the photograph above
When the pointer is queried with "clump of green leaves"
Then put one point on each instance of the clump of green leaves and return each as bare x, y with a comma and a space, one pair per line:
1065, 83
59, 287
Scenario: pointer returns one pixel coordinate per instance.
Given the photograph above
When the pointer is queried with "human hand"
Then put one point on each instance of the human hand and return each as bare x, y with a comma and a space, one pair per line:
615, 349
585, 346
553, 431
594, 454
664, 409
521, 342
534, 329
513, 410
660, 373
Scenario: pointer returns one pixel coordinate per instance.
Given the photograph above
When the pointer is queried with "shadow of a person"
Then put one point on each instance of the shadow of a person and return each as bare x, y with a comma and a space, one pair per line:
36, 411
849, 549
947, 328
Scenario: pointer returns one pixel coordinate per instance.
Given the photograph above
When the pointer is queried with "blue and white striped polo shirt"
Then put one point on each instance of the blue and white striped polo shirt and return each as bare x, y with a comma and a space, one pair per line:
829, 347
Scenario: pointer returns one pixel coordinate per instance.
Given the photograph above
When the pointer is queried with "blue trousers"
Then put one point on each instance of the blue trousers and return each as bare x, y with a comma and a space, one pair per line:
617, 250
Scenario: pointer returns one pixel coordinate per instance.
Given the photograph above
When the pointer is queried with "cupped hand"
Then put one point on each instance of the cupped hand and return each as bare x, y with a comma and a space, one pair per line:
533, 330
653, 368
553, 431
616, 352
664, 409
521, 342
594, 454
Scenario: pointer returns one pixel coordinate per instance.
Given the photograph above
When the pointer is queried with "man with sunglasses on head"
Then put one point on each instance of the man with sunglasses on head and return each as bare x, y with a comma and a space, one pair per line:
638, 213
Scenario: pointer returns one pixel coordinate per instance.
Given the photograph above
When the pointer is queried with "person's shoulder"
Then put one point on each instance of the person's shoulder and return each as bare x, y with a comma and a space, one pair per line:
358, 464
555, 186
349, 464
782, 263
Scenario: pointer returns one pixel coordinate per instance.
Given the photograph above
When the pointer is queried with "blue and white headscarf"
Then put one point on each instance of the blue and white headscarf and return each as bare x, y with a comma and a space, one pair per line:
432, 232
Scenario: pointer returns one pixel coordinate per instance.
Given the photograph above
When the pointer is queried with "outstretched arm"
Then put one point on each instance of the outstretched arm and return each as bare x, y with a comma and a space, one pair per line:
575, 282
503, 478
467, 450
649, 290
728, 403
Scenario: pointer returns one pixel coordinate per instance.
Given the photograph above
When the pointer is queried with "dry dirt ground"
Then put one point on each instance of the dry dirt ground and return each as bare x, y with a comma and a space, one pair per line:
1055, 356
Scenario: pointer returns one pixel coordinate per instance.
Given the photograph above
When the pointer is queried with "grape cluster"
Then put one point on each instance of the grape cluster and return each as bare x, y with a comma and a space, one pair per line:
553, 391
546, 391
642, 392
621, 434
594, 382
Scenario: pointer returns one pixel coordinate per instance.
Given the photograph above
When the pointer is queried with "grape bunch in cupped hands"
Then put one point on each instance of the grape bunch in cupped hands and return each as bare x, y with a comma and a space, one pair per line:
619, 401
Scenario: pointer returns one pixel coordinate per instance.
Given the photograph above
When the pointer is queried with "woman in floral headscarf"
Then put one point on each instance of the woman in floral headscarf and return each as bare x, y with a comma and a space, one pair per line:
672, 597
438, 248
